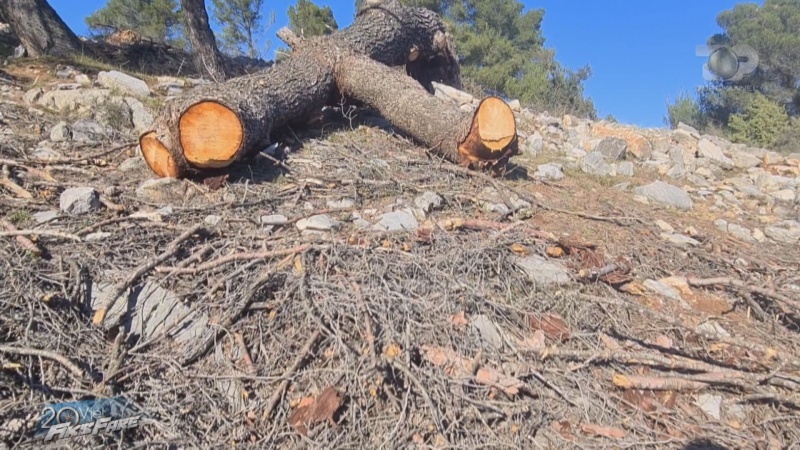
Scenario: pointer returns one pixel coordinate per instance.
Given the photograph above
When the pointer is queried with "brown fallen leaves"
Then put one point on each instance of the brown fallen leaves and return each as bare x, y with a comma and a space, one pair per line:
565, 429
312, 411
552, 325
455, 365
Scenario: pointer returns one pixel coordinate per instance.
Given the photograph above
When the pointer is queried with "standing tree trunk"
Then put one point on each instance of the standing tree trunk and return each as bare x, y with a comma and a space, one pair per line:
39, 28
206, 56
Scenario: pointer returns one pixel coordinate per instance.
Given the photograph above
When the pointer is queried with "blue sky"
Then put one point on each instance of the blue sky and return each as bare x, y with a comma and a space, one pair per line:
642, 53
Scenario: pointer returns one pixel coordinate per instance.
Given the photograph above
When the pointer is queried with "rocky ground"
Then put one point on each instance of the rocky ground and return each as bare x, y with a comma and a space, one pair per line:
619, 287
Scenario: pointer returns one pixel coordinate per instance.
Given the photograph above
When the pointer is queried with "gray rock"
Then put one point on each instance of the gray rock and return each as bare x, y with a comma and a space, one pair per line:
666, 291
677, 171
140, 115
60, 132
273, 220
45, 153
83, 80
740, 232
515, 105
87, 131
666, 194
445, 92
785, 235
45, 216
595, 164
344, 203
710, 150
712, 329
212, 219
319, 222
123, 83
744, 160
63, 74
688, 128
710, 404
665, 227
576, 152
428, 201
82, 100
79, 200
542, 272
163, 190
487, 330
785, 195
684, 137
625, 169
613, 149
32, 95
133, 163
174, 90
97, 236
533, 144
396, 221
550, 171
679, 240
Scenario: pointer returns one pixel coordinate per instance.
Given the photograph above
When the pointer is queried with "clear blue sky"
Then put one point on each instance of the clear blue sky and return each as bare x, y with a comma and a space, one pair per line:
642, 53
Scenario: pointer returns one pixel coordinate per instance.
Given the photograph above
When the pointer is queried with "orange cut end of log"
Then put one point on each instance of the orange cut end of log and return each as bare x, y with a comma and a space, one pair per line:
211, 135
158, 157
496, 124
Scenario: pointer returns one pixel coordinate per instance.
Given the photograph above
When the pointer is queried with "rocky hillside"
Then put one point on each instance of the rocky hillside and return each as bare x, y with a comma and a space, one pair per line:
618, 287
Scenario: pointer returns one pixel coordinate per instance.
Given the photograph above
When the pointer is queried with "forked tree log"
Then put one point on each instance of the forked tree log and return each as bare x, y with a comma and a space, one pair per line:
218, 124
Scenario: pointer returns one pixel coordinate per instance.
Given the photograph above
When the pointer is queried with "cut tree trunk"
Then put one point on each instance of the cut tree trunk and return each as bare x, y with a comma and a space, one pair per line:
39, 28
215, 125
205, 53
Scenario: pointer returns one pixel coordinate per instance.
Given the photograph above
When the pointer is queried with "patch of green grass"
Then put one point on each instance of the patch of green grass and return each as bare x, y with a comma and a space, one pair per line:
19, 217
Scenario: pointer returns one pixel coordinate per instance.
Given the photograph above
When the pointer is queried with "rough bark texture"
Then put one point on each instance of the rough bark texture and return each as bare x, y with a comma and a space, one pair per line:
437, 123
207, 58
39, 28
215, 125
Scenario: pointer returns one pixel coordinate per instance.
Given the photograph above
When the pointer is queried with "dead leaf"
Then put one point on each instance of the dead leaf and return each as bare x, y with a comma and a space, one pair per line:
552, 325
555, 252
320, 410
633, 288
535, 343
214, 183
459, 320
608, 432
564, 428
620, 380
520, 249
509, 385
609, 342
392, 351
456, 365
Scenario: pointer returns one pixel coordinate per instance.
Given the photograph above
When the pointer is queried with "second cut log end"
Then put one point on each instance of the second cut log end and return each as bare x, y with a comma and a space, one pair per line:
492, 139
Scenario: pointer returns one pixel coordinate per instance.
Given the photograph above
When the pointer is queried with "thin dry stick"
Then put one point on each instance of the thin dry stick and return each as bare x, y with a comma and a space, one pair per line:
287, 374
246, 358
26, 243
172, 248
49, 233
764, 292
234, 257
63, 360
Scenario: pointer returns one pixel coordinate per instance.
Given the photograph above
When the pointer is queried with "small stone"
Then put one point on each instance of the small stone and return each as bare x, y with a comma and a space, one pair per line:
87, 131
273, 220
543, 272
595, 164
60, 132
163, 190
721, 224
45, 216
612, 149
212, 219
713, 329
319, 222
428, 201
98, 236
710, 404
140, 116
345, 203
396, 221
759, 235
550, 171
32, 95
124, 83
534, 144
625, 169
785, 195
688, 128
665, 227
79, 200
488, 332
780, 234
680, 240
710, 150
665, 291
740, 232
666, 194
83, 80
641, 199
515, 105
133, 163
622, 186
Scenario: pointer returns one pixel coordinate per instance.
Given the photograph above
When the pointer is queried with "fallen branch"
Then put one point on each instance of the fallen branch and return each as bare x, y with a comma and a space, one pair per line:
172, 248
234, 257
289, 372
26, 243
781, 299
56, 234
63, 360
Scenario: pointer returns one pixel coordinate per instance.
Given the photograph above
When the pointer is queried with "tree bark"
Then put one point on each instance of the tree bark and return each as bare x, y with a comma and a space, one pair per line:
216, 125
40, 29
207, 58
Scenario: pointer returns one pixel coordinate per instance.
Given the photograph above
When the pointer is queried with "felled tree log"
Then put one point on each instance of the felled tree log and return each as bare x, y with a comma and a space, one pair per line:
218, 124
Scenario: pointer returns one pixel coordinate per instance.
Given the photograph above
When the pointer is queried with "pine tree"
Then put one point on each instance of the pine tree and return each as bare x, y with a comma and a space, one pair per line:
158, 20
308, 19
241, 22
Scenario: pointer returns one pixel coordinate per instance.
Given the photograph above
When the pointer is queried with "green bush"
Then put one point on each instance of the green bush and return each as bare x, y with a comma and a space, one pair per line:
760, 124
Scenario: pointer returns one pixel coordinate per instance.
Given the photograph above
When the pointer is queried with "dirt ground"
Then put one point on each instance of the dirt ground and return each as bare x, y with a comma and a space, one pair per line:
350, 338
